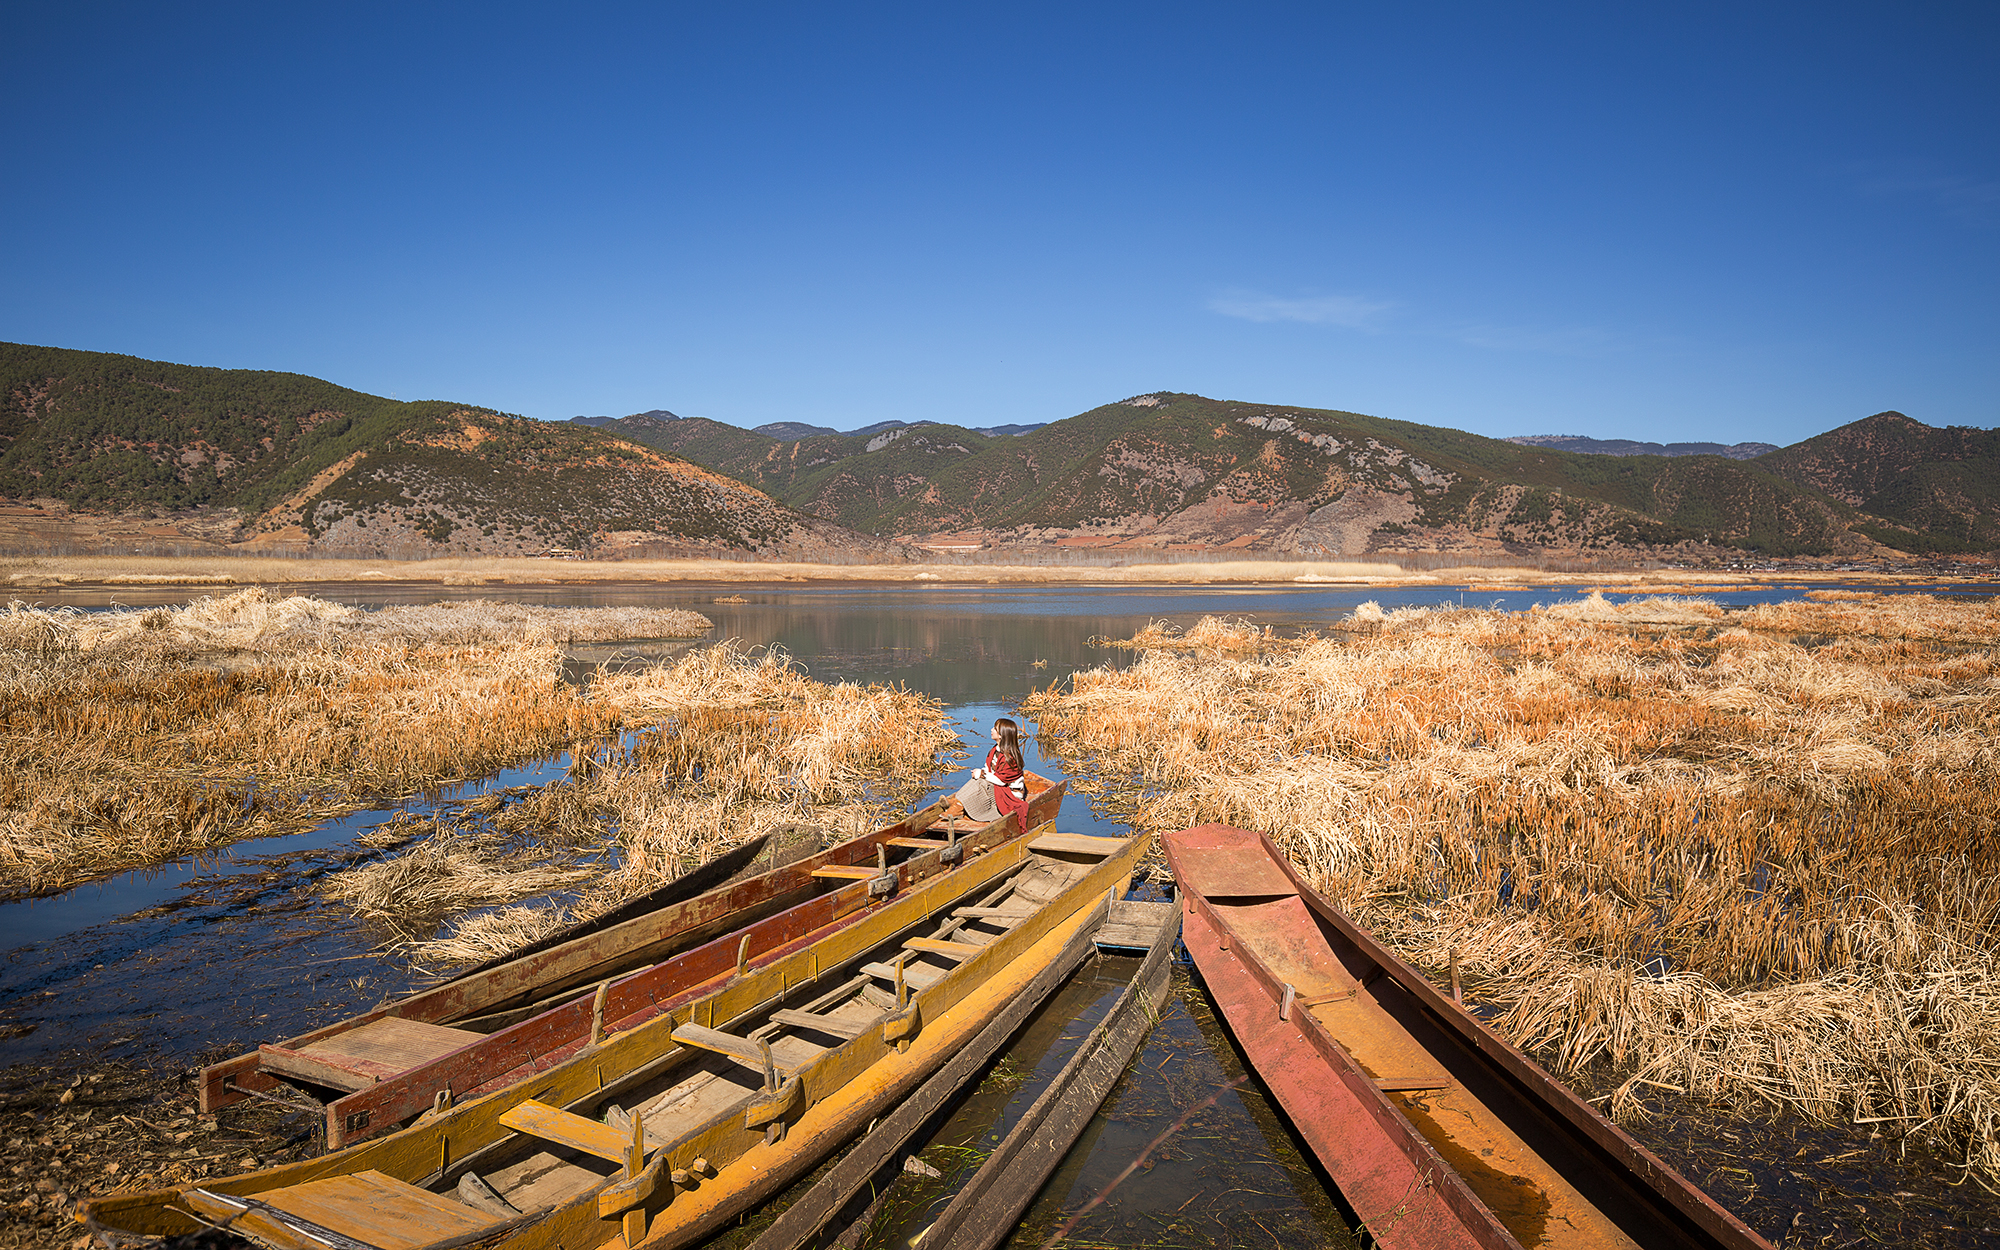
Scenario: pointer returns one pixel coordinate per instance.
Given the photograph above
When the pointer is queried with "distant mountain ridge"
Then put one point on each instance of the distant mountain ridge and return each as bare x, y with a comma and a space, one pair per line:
247, 459
1626, 447
250, 460
1184, 472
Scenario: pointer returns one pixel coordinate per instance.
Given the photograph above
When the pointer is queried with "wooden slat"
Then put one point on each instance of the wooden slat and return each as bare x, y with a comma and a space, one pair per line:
360, 1057
918, 975
991, 913
1127, 936
824, 1024
843, 872
920, 844
553, 1124
1076, 844
379, 1210
938, 946
739, 1048
804, 1219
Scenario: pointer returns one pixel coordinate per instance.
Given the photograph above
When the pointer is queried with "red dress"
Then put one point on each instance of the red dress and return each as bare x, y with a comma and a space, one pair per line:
1000, 773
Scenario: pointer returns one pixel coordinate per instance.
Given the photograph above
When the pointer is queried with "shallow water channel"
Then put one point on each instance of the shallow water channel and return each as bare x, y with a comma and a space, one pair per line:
211, 954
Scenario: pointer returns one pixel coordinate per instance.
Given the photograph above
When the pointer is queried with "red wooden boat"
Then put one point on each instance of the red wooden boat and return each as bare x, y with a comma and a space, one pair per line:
1438, 1133
512, 1018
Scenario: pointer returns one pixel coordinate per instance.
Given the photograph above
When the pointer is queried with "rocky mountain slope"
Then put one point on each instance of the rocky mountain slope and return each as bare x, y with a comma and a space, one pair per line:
253, 460
1917, 487
1184, 472
1627, 447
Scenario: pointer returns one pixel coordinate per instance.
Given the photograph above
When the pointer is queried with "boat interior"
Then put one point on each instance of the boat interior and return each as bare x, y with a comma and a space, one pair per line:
329, 1063
1545, 1182
551, 1156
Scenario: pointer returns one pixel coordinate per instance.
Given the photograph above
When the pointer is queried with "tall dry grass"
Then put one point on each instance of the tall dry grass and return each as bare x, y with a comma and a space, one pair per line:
722, 744
1658, 834
127, 738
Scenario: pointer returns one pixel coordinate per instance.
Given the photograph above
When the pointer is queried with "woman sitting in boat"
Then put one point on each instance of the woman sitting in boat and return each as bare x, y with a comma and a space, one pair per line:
1000, 788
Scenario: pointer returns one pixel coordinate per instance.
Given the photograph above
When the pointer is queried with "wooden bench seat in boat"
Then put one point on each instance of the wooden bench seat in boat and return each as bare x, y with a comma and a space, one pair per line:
360, 1057
940, 946
844, 872
1131, 925
367, 1207
566, 1128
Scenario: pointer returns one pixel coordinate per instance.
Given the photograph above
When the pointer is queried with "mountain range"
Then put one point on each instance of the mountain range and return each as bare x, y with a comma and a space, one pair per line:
247, 460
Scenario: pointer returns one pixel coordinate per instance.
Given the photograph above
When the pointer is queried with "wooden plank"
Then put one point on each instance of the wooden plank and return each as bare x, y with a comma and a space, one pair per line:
1132, 911
553, 1124
922, 976
1128, 937
823, 1024
1076, 844
984, 1212
371, 1208
804, 1219
920, 844
940, 946
395, 1042
843, 872
739, 1048
992, 913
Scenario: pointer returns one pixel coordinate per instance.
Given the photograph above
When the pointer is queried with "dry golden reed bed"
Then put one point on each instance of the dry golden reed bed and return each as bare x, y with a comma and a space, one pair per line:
723, 744
127, 738
1746, 856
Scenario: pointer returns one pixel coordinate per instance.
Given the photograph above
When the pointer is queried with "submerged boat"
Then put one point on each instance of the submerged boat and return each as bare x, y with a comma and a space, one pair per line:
1438, 1133
660, 1134
377, 1069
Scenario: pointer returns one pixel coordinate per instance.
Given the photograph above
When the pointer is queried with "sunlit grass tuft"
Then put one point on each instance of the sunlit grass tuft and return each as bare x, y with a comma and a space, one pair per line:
1749, 853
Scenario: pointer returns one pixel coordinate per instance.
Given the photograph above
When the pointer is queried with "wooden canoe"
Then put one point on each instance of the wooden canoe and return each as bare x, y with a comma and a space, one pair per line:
1049, 1128
356, 1054
735, 1091
1438, 1133
981, 1215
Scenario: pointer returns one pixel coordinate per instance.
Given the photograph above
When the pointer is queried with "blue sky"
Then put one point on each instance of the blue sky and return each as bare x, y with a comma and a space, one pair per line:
1678, 222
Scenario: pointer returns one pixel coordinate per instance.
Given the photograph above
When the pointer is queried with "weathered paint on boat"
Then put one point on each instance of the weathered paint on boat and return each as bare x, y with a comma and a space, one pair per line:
1437, 1131
469, 1134
537, 975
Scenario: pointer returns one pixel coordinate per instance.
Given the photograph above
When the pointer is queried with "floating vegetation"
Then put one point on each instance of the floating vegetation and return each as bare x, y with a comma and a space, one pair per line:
720, 745
127, 738
1752, 856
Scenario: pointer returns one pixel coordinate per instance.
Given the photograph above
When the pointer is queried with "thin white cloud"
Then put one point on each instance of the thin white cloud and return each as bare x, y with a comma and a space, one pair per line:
1351, 311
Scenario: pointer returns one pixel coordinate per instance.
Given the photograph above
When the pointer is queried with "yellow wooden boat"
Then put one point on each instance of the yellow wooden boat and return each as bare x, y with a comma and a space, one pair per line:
731, 1095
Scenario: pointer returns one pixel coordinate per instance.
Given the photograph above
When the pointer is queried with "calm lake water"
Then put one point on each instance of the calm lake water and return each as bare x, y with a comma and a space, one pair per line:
217, 952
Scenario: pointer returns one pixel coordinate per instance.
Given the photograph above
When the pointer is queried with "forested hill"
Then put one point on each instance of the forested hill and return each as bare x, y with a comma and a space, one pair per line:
1185, 472
280, 460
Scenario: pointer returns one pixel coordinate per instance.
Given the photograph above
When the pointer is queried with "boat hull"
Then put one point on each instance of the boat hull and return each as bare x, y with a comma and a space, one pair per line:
631, 944
1437, 1130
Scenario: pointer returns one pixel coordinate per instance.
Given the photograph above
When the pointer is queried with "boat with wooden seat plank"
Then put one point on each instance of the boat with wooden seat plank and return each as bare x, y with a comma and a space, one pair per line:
1015, 1170
359, 1052
1438, 1132
660, 1134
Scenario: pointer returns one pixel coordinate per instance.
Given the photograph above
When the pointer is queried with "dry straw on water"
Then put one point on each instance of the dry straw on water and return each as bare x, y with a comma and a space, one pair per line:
721, 745
132, 737
1749, 856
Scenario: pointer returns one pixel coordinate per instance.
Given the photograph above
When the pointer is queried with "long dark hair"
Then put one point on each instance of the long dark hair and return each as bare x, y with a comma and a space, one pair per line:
1009, 745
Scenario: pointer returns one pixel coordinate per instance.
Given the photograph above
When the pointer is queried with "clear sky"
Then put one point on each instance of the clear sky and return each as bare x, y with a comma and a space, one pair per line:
1732, 221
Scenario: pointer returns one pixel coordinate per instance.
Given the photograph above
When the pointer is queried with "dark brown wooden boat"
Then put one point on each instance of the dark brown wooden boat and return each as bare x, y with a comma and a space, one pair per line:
1438, 1133
397, 1060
